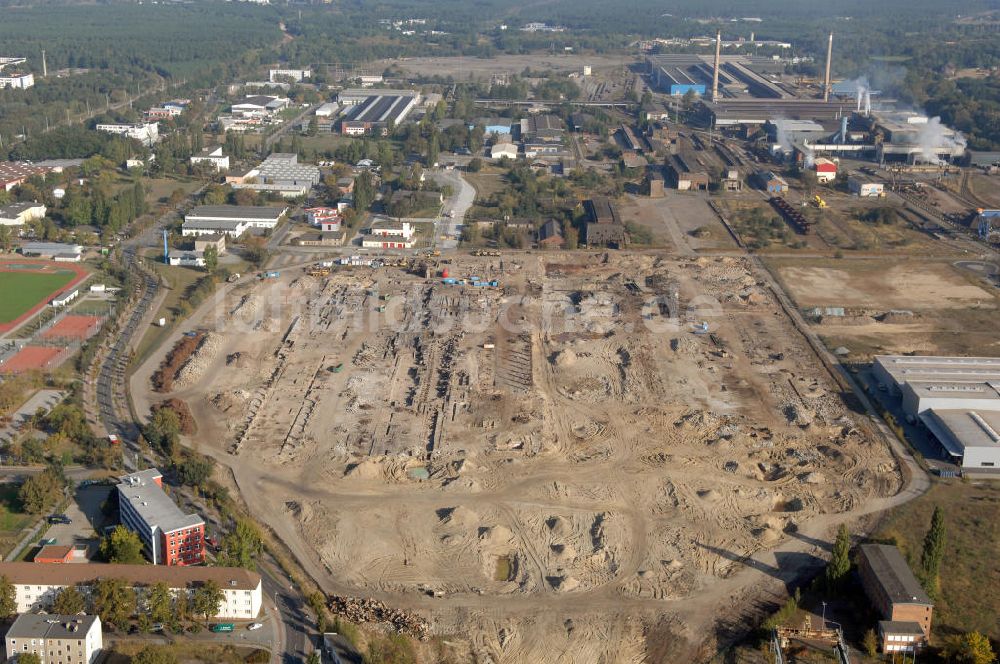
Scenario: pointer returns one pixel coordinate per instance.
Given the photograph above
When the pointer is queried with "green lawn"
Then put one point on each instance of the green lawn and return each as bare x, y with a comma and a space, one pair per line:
23, 290
971, 570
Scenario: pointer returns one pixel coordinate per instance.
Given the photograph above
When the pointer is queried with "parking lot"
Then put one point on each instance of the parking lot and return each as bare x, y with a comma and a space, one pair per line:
87, 520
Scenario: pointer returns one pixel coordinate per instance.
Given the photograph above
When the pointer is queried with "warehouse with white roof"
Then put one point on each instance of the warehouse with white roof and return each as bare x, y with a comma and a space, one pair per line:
957, 399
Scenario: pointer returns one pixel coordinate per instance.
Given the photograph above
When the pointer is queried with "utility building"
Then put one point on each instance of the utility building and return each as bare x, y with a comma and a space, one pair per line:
897, 595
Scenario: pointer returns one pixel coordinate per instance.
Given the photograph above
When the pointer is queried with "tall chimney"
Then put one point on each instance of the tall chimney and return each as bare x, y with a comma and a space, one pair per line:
829, 57
45, 69
715, 70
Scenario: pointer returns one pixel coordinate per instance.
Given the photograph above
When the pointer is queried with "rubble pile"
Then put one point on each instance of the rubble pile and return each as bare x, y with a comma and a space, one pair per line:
368, 610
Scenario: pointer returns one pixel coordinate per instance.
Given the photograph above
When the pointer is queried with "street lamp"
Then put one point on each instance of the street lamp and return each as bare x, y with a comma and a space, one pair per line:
824, 615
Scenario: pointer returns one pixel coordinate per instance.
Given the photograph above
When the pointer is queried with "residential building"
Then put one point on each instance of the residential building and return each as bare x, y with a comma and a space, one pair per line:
36, 586
503, 150
55, 639
233, 220
322, 239
388, 234
550, 235
865, 188
895, 593
169, 536
297, 75
212, 155
215, 240
826, 170
146, 133
18, 214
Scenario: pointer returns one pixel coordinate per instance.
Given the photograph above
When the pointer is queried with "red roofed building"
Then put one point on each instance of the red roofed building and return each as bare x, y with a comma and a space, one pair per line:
53, 554
324, 218
826, 170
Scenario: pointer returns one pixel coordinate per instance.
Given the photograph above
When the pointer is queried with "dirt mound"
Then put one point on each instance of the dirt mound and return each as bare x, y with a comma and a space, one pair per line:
565, 358
559, 525
459, 516
563, 582
367, 469
495, 535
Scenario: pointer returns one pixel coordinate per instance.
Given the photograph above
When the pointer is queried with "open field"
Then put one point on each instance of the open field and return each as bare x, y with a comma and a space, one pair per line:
971, 564
464, 66
911, 305
28, 285
563, 447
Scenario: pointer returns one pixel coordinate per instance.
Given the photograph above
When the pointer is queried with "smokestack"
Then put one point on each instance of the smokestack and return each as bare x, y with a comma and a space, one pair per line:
715, 70
868, 103
45, 68
829, 57
860, 95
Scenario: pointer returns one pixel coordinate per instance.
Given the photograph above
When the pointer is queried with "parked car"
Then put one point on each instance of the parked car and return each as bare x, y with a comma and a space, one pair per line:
60, 518
254, 626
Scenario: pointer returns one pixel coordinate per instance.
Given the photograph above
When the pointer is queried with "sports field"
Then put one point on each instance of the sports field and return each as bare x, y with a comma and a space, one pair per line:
26, 287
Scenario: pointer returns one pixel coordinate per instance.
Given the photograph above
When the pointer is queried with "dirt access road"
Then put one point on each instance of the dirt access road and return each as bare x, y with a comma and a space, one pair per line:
575, 468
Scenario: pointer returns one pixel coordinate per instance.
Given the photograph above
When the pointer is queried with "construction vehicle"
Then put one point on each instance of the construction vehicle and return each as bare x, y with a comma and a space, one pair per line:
819, 202
318, 271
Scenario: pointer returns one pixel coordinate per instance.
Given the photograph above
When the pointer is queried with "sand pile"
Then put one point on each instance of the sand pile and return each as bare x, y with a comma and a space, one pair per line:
366, 469
198, 363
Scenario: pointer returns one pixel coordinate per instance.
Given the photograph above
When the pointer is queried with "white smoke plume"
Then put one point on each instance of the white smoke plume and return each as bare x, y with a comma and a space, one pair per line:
933, 137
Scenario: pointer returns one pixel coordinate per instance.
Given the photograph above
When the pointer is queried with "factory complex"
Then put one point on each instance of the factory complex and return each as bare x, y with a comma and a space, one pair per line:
955, 399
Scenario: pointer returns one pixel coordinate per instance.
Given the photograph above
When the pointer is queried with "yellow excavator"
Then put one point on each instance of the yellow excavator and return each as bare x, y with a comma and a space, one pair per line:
819, 202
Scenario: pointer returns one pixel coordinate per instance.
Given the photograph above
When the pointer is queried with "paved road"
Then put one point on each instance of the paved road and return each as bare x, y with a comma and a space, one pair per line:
461, 200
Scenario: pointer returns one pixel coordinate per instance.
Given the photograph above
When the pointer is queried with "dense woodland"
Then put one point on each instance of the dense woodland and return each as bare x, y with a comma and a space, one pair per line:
908, 49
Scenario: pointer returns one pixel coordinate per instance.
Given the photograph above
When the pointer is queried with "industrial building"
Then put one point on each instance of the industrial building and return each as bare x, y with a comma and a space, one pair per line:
987, 221
58, 251
826, 170
377, 113
145, 133
911, 138
213, 156
771, 182
897, 595
233, 220
683, 176
604, 226
36, 586
14, 173
18, 214
865, 188
259, 106
169, 536
542, 129
388, 234
55, 639
738, 75
956, 399
297, 75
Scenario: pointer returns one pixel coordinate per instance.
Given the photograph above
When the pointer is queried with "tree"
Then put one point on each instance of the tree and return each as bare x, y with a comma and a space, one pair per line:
155, 655
5, 238
970, 648
840, 562
433, 151
364, 191
211, 258
158, 603
122, 546
69, 601
194, 471
41, 490
8, 598
114, 601
206, 599
163, 431
475, 165
242, 546
933, 551
28, 658
313, 658
870, 643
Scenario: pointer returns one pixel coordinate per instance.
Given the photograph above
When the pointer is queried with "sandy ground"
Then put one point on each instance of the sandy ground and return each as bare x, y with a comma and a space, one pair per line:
563, 456
916, 285
465, 66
